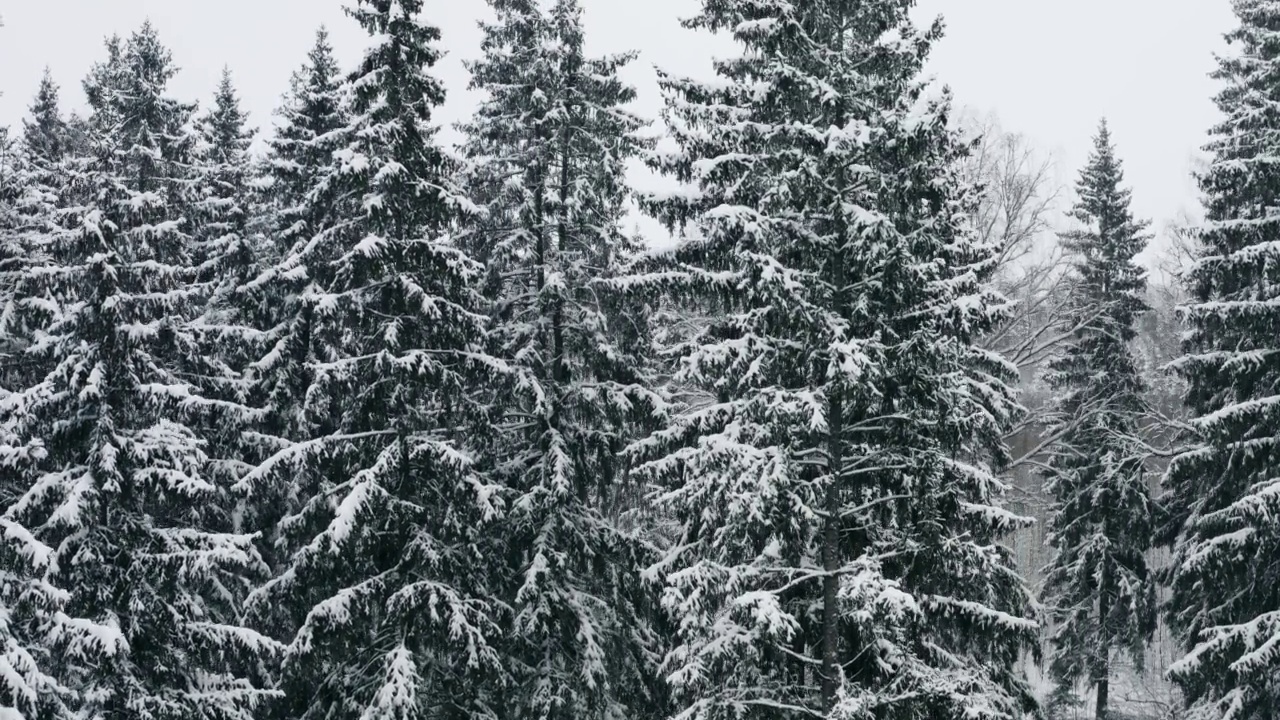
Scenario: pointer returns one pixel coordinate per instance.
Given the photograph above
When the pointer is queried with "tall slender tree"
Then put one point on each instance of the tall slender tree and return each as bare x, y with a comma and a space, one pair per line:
1099, 590
119, 514
29, 686
223, 198
1224, 495
299, 151
299, 156
385, 596
840, 551
35, 185
549, 149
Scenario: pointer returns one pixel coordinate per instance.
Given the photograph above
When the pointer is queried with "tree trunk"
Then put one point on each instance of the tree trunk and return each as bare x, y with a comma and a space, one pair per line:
1100, 713
1103, 671
831, 553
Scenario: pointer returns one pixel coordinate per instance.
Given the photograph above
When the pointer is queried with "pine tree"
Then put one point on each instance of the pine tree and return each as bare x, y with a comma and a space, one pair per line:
1100, 592
549, 148
839, 552
45, 133
277, 377
384, 596
1224, 495
119, 514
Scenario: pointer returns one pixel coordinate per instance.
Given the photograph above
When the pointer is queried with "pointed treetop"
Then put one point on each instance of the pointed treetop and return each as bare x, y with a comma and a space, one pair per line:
104, 75
225, 125
44, 132
320, 57
1102, 199
148, 58
406, 46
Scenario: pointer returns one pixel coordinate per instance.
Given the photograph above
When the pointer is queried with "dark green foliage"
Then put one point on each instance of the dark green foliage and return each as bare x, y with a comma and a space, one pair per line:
840, 547
1100, 592
1224, 495
548, 149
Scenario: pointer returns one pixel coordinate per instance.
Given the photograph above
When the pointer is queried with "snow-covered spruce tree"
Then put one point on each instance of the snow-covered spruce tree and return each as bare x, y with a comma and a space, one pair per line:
229, 247
300, 149
385, 596
1098, 588
35, 183
223, 192
1224, 495
12, 254
548, 150
28, 690
299, 154
840, 552
119, 515
229, 250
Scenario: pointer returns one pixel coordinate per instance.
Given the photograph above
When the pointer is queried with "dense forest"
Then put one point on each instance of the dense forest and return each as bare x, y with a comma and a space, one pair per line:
342, 421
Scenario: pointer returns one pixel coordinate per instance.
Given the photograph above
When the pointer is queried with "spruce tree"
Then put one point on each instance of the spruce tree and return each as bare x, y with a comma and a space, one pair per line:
223, 202
120, 516
45, 133
300, 149
384, 596
1224, 495
548, 149
29, 687
34, 185
276, 376
13, 254
299, 155
839, 553
1099, 590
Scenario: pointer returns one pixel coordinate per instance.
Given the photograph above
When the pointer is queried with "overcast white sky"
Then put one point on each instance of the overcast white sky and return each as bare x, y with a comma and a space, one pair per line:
1048, 69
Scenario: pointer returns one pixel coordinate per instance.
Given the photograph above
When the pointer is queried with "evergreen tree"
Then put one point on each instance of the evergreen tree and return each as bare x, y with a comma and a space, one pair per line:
28, 688
1098, 587
230, 251
384, 597
839, 553
45, 134
223, 192
300, 149
1224, 495
299, 155
549, 148
12, 252
120, 516
34, 182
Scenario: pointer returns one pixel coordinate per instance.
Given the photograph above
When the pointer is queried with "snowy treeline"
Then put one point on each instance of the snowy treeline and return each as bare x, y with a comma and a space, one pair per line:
367, 426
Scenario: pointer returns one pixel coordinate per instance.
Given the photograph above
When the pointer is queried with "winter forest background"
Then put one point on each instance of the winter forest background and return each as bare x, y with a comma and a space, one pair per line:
818, 394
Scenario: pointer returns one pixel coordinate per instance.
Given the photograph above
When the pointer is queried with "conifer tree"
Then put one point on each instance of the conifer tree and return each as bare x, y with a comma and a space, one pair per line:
1224, 495
119, 517
223, 191
839, 553
384, 595
12, 253
28, 687
299, 155
300, 149
548, 151
45, 134
1098, 588
34, 182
